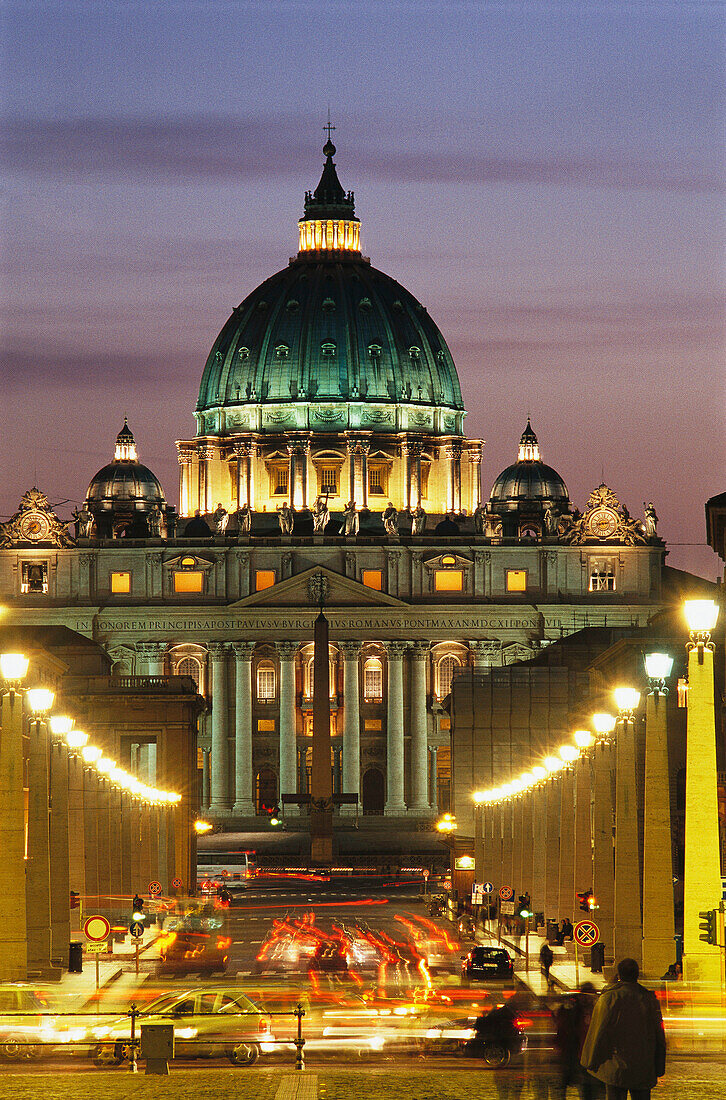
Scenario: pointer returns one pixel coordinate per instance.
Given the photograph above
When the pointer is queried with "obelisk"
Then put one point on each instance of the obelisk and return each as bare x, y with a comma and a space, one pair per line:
321, 783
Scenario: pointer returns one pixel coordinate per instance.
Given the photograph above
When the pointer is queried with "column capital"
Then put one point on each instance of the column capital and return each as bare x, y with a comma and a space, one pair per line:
218, 651
350, 650
206, 453
243, 449
420, 651
395, 650
243, 650
286, 650
185, 454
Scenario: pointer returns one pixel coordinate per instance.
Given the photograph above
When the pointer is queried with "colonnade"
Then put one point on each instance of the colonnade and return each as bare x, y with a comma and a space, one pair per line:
235, 792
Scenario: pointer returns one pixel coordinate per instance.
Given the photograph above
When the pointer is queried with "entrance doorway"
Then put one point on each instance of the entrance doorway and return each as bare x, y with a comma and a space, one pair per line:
374, 791
266, 790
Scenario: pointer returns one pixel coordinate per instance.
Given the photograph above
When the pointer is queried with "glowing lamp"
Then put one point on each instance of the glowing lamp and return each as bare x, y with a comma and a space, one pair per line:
552, 764
701, 615
13, 666
569, 753
603, 723
40, 700
75, 739
201, 827
539, 773
658, 666
583, 738
105, 764
479, 797
91, 754
626, 699
60, 724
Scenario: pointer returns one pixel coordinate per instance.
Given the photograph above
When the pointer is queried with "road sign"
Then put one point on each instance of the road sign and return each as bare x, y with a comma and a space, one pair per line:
488, 887
97, 928
177, 883
136, 928
507, 908
96, 948
477, 894
154, 888
426, 872
506, 893
586, 933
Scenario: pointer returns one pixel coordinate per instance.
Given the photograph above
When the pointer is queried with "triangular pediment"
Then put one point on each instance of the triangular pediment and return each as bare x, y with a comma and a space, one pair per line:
298, 591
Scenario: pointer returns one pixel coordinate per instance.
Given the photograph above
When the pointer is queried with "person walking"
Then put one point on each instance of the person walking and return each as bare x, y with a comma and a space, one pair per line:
546, 959
625, 1043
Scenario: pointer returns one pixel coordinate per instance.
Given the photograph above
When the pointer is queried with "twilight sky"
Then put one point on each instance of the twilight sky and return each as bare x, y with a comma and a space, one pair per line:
546, 177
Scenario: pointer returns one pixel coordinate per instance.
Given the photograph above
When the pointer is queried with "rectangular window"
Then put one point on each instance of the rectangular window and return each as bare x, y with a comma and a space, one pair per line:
373, 724
329, 480
200, 759
602, 576
264, 578
280, 480
190, 582
265, 684
516, 580
34, 577
120, 584
372, 578
444, 723
449, 580
377, 480
265, 725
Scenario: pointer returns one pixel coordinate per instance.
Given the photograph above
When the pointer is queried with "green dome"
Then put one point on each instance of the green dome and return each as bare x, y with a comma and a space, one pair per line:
330, 330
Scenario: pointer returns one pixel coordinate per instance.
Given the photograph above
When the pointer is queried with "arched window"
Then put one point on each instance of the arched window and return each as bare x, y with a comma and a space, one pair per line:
373, 679
190, 666
309, 677
445, 673
265, 681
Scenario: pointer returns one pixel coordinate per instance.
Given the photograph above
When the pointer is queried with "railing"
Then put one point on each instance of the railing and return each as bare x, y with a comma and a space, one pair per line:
175, 685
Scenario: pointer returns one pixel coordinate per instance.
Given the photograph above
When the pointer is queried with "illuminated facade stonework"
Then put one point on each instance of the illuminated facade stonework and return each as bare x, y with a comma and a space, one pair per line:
330, 384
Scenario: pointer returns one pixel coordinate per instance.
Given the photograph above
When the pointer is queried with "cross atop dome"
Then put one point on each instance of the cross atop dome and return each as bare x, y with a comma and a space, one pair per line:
528, 446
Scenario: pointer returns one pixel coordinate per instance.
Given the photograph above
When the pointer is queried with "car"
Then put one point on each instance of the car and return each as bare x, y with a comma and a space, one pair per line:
194, 942
207, 1022
24, 1023
486, 962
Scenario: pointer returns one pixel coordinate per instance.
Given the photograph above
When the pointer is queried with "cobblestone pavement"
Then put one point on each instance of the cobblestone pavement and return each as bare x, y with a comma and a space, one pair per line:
687, 1079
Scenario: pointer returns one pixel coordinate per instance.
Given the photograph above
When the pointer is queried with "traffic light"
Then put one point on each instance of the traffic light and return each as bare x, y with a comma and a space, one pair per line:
75, 900
707, 924
587, 901
523, 906
275, 816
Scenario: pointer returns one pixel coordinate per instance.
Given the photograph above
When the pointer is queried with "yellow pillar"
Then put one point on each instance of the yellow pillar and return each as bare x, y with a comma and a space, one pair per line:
702, 877
37, 873
658, 920
13, 932
603, 867
566, 899
628, 923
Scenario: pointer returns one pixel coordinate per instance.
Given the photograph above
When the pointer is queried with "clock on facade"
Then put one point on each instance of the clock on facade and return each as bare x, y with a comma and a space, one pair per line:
602, 523
34, 526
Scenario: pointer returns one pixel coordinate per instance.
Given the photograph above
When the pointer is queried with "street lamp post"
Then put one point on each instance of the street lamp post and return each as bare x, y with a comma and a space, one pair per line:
603, 871
628, 931
702, 890
13, 930
658, 917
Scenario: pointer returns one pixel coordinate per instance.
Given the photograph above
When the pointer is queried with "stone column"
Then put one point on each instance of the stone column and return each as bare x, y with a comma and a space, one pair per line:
90, 836
288, 733
538, 842
457, 477
243, 453
475, 465
527, 849
517, 820
136, 884
351, 721
145, 871
434, 780
60, 914
13, 942
566, 900
153, 655
364, 451
350, 448
244, 783
582, 868
126, 839
103, 802
658, 920
185, 478
603, 869
291, 469
394, 725
37, 874
76, 832
419, 730
506, 820
114, 849
628, 932
552, 846
206, 455
219, 802
154, 812
206, 794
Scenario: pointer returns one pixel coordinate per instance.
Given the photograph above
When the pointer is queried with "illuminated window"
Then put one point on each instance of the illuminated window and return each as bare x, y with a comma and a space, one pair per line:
279, 479
373, 679
328, 480
516, 580
602, 576
372, 578
190, 666
449, 580
187, 563
378, 479
120, 583
373, 724
448, 559
327, 350
282, 351
34, 578
444, 723
308, 672
425, 471
265, 725
445, 673
265, 681
191, 582
682, 692
264, 578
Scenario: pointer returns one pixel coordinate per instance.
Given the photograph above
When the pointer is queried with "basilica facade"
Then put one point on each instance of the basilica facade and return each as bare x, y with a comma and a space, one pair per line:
330, 467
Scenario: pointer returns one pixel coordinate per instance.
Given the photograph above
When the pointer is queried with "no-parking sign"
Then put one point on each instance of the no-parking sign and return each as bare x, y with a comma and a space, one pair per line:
586, 933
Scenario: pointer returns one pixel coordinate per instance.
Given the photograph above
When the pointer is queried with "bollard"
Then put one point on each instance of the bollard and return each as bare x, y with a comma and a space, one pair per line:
299, 1042
133, 1052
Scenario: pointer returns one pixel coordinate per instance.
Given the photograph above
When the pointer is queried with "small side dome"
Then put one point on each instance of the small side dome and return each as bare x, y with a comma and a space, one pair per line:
528, 484
124, 489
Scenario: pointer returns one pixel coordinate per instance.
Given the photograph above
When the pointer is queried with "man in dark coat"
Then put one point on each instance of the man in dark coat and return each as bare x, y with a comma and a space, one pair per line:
625, 1044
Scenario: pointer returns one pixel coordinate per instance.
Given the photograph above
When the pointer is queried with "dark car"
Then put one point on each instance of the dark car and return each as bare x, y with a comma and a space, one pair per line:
194, 942
486, 962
